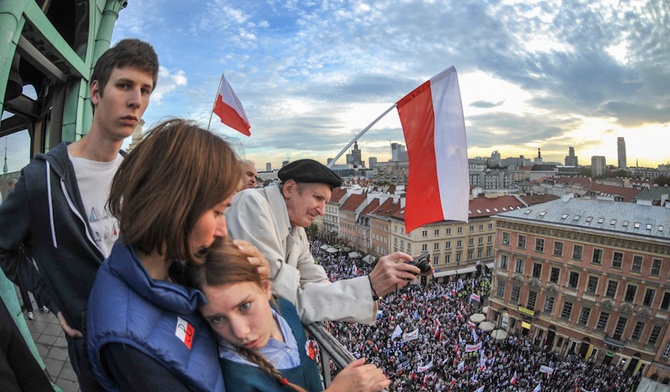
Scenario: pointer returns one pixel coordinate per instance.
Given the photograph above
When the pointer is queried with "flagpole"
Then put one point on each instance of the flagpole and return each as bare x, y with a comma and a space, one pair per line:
211, 112
330, 165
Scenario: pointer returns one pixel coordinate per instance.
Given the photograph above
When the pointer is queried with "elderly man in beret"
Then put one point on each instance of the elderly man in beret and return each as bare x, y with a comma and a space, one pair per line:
273, 218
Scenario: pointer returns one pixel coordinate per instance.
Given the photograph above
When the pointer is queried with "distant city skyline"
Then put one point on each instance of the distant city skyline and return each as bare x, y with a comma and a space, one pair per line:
311, 75
17, 158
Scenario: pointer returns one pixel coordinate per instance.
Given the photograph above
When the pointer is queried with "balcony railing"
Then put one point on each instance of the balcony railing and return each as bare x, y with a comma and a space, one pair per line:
613, 342
331, 350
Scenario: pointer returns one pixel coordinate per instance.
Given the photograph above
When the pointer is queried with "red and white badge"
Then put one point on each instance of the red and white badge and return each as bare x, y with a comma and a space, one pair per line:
185, 332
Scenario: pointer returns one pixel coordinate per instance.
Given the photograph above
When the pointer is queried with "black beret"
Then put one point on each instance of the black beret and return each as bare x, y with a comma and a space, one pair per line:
309, 170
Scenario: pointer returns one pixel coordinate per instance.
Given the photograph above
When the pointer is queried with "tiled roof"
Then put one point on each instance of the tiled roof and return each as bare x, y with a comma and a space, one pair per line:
598, 189
386, 209
371, 206
482, 206
337, 194
537, 199
353, 202
602, 215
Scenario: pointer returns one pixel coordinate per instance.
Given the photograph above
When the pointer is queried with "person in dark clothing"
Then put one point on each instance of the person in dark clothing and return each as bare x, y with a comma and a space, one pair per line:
19, 370
25, 295
60, 231
28, 304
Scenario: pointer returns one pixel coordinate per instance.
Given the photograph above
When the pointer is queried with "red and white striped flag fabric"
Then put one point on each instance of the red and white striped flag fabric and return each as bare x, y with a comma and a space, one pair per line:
229, 108
434, 127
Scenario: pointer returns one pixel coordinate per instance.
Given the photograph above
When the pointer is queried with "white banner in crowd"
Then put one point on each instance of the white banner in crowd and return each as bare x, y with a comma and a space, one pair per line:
422, 369
411, 335
546, 369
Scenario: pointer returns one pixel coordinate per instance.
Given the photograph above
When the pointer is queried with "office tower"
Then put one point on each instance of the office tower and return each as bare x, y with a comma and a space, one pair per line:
372, 161
398, 153
621, 150
268, 167
571, 159
598, 165
356, 156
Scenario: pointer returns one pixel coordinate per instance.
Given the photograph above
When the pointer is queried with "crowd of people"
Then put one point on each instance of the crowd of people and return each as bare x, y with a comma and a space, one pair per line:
449, 352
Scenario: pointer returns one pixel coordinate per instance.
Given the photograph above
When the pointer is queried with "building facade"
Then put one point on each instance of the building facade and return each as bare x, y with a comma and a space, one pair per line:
380, 226
329, 223
456, 248
348, 214
587, 277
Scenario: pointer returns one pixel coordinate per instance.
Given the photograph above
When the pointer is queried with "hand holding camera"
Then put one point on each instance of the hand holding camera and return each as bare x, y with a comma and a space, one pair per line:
422, 262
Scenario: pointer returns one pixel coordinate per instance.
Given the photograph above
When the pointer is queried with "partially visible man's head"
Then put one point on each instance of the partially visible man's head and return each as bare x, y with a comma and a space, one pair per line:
249, 174
306, 187
12, 184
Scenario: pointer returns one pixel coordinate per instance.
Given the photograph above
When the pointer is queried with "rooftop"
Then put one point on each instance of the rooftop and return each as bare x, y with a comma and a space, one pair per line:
602, 215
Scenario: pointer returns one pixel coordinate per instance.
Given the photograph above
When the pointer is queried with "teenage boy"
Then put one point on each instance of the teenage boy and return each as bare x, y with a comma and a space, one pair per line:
55, 220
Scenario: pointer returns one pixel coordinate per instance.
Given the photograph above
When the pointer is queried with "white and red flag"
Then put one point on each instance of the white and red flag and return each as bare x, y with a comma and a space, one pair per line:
229, 108
434, 127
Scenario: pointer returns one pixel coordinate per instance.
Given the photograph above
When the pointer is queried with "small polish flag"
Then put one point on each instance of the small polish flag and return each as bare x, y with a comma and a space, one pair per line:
229, 108
438, 187
185, 332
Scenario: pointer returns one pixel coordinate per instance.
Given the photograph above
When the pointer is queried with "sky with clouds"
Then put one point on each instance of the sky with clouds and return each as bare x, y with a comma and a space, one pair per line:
313, 74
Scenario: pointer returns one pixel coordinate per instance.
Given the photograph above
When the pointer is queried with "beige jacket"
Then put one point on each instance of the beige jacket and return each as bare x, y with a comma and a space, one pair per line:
260, 217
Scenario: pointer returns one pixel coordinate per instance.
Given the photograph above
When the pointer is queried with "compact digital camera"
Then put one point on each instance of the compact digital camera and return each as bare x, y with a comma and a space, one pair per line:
422, 261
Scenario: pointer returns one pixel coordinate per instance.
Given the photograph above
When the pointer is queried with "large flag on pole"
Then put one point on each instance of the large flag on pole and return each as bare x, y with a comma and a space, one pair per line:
229, 108
432, 121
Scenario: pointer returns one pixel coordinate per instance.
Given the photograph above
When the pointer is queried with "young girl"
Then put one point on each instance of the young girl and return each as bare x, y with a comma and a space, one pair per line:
262, 345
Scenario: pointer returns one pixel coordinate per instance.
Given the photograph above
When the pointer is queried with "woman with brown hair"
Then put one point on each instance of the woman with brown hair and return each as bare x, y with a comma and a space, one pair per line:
169, 195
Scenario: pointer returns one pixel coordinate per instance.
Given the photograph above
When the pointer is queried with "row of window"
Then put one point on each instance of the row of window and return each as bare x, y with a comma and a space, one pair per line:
447, 245
436, 232
585, 314
596, 256
381, 238
447, 231
573, 282
471, 256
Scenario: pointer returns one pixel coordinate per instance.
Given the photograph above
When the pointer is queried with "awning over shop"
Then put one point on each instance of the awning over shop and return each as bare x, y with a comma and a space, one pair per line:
456, 271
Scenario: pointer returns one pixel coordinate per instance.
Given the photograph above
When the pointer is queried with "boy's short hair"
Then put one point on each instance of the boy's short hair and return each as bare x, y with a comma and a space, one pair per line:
177, 173
129, 52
